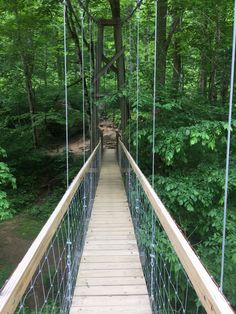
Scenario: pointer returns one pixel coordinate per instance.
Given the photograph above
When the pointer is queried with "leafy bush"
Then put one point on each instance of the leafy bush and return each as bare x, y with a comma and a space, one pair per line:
6, 179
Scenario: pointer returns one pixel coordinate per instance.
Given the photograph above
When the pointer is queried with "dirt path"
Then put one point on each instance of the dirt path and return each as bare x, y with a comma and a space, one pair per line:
76, 147
76, 144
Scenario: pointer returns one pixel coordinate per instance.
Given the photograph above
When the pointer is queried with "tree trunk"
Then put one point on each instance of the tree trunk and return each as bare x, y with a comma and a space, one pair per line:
115, 8
31, 96
73, 26
161, 44
177, 60
203, 74
225, 81
27, 58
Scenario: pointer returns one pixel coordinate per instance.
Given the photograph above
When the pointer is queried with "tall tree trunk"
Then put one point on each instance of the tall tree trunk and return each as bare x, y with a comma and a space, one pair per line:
27, 57
28, 72
177, 60
115, 8
46, 66
203, 74
161, 44
225, 80
74, 26
203, 65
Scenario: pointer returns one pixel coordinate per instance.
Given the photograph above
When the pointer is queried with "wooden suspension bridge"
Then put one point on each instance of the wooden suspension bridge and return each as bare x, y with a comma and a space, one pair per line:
111, 271
111, 246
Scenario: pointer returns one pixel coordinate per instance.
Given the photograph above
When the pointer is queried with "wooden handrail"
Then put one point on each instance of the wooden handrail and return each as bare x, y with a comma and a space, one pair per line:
208, 292
15, 288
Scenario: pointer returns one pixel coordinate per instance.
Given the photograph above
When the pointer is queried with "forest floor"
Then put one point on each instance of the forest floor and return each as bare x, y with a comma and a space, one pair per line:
18, 233
16, 237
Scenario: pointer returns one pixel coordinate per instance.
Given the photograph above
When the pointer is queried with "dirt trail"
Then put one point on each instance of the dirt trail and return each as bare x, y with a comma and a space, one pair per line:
76, 147
109, 134
76, 144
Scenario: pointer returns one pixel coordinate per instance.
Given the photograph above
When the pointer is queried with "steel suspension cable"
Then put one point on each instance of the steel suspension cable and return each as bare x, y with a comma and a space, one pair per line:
130, 73
66, 94
68, 242
228, 150
137, 84
153, 153
90, 29
83, 80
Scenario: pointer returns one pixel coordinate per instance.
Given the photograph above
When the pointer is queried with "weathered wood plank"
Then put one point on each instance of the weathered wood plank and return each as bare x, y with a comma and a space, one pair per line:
110, 247
106, 265
110, 237
110, 259
109, 281
105, 301
110, 273
112, 309
110, 253
111, 290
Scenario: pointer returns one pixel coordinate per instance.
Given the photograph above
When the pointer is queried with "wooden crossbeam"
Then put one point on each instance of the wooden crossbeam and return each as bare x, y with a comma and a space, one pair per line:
106, 60
109, 64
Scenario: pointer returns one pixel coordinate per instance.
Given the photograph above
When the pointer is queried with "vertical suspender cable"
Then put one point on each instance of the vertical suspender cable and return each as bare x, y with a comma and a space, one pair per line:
69, 283
154, 99
66, 98
228, 150
137, 86
83, 79
153, 152
130, 75
90, 76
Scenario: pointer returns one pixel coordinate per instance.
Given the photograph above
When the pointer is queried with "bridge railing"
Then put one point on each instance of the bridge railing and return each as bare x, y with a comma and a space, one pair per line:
176, 279
44, 280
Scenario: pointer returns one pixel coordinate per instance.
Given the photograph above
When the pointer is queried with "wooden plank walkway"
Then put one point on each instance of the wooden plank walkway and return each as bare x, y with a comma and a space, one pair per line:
110, 278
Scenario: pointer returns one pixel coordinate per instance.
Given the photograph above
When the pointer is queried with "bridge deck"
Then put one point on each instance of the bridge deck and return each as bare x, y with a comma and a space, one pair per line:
110, 278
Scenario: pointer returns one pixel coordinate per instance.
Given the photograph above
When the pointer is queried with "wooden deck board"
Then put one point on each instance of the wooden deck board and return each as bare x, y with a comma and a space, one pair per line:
110, 277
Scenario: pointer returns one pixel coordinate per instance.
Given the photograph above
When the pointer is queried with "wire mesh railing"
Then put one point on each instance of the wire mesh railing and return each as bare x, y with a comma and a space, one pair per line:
177, 281
44, 280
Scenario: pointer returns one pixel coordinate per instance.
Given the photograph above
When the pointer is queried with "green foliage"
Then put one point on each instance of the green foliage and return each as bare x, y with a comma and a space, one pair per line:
6, 179
190, 146
43, 211
5, 271
28, 228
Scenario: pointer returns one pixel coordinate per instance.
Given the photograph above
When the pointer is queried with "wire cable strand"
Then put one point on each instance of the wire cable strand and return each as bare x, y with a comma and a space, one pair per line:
137, 87
68, 242
153, 154
83, 82
66, 95
228, 151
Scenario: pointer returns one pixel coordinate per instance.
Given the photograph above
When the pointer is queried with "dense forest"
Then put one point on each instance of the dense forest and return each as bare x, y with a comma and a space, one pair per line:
194, 44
